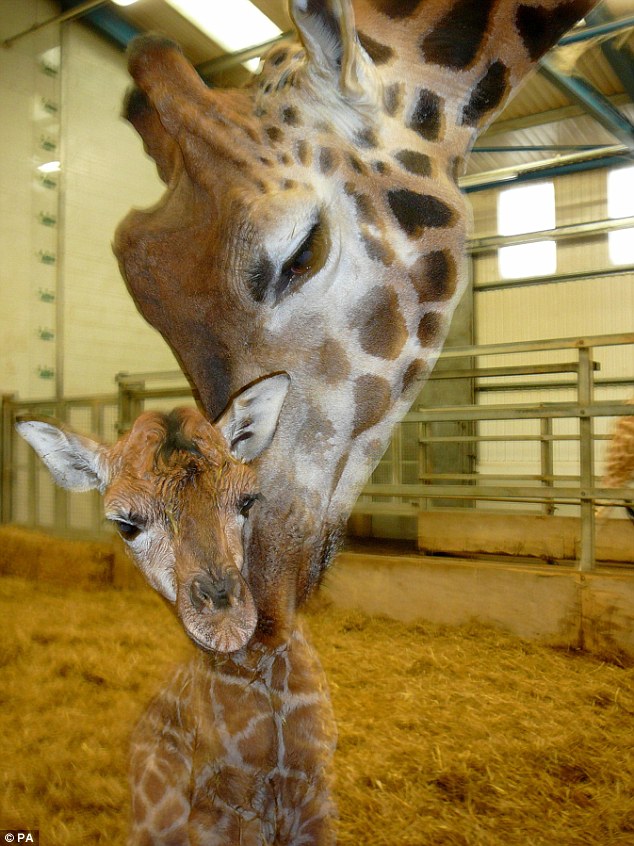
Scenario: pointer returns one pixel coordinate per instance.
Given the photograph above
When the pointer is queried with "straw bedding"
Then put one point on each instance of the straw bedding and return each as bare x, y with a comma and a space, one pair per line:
447, 737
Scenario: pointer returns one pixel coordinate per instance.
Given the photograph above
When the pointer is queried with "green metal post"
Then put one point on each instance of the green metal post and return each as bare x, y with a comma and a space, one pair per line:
586, 458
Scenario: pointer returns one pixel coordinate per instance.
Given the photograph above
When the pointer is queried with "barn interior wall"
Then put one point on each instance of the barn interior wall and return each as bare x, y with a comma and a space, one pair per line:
554, 308
107, 171
67, 323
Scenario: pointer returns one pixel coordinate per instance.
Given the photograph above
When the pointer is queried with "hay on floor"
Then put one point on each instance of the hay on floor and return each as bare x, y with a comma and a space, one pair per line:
447, 737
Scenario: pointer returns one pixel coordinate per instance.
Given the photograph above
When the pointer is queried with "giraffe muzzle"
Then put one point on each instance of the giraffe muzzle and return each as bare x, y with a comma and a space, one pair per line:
217, 610
207, 592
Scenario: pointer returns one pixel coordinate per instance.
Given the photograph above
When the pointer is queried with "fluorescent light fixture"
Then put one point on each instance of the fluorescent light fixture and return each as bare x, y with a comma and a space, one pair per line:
49, 167
124, 2
232, 24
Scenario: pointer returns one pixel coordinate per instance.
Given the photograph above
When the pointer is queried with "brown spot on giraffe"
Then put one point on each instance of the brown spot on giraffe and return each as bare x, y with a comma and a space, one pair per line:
381, 167
393, 98
275, 134
429, 328
378, 249
540, 28
291, 116
332, 361
327, 160
426, 119
356, 164
366, 138
416, 212
303, 153
435, 276
487, 94
468, 17
365, 207
320, 430
414, 374
379, 53
380, 324
153, 787
417, 163
372, 399
397, 9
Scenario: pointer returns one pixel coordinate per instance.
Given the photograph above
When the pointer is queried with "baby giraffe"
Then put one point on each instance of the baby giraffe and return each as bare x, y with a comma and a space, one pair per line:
238, 748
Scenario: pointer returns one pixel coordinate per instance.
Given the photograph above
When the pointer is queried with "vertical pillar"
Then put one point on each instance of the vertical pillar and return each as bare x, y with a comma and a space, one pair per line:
547, 465
586, 460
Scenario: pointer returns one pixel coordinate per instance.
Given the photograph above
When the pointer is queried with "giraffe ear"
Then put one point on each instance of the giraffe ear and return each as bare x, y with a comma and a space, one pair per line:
75, 462
327, 31
157, 142
250, 421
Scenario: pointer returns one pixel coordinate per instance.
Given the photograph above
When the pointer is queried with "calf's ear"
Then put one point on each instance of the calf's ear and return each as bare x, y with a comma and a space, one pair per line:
76, 463
249, 422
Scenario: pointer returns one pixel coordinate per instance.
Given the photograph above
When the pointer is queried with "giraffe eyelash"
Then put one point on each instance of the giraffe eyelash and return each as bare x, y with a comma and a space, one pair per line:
307, 259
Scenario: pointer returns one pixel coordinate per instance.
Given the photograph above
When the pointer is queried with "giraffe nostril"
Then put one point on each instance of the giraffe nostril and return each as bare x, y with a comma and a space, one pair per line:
207, 592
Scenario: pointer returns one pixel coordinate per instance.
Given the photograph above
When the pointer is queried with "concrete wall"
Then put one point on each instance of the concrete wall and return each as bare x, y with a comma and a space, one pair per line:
66, 319
545, 537
554, 605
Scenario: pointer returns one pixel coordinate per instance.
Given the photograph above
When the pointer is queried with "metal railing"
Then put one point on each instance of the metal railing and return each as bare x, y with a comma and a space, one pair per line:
543, 489
406, 480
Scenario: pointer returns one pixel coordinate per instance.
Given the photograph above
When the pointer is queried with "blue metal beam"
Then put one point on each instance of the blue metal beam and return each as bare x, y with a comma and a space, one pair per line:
599, 28
620, 58
594, 102
538, 148
107, 22
549, 173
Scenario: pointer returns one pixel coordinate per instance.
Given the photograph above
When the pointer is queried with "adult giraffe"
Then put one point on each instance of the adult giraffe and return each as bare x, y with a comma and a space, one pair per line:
312, 223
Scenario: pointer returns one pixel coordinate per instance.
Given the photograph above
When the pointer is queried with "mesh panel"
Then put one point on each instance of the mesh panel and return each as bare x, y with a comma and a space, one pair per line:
45, 498
82, 513
20, 496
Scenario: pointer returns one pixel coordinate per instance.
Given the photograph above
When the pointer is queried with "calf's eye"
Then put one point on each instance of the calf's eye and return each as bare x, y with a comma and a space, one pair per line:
128, 531
246, 503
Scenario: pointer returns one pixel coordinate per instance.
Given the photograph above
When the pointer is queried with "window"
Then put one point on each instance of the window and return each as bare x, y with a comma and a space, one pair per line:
621, 204
528, 208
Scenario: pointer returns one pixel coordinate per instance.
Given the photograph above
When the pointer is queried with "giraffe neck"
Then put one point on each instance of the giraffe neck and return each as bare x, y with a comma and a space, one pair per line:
238, 749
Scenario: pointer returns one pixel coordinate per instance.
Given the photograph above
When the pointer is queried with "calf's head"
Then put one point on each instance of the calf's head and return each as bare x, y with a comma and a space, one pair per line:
179, 489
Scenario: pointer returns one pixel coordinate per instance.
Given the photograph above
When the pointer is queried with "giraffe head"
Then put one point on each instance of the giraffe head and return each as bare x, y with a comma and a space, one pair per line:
312, 222
179, 491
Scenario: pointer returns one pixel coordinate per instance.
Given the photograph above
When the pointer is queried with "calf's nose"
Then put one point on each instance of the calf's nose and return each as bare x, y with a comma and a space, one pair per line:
207, 591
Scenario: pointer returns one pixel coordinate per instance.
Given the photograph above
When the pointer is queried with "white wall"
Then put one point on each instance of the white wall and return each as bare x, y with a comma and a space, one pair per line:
106, 173
86, 329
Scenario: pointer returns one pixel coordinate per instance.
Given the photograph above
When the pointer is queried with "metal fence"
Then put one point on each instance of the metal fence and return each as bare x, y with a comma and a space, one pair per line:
511, 446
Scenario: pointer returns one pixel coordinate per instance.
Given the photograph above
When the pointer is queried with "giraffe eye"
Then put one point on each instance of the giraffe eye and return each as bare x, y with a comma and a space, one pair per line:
129, 526
246, 503
128, 531
306, 260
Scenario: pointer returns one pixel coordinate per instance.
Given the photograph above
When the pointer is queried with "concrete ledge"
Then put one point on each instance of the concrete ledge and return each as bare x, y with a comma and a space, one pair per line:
471, 532
555, 605
84, 564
